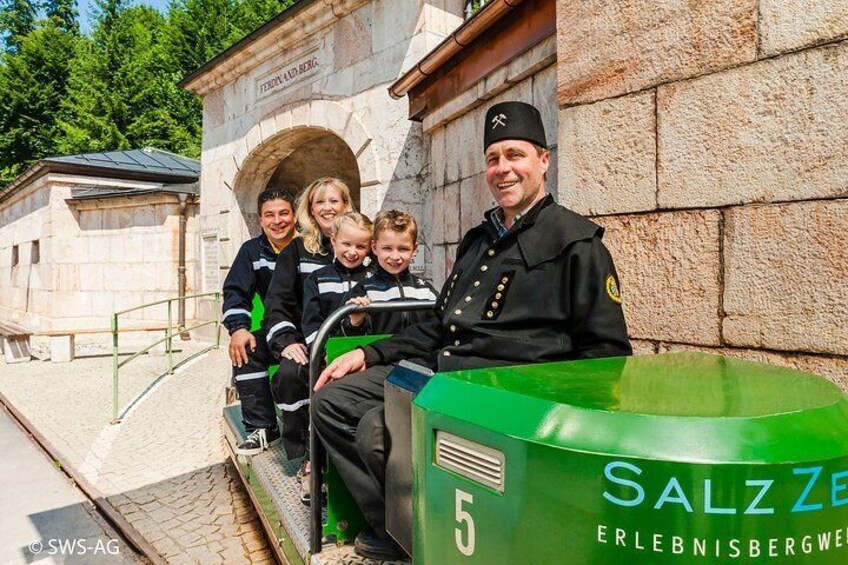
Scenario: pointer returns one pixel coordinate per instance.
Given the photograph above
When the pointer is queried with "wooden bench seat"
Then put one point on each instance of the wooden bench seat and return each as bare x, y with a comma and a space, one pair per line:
62, 342
15, 340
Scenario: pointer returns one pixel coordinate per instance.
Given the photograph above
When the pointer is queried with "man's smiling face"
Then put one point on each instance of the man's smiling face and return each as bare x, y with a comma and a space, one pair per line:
515, 173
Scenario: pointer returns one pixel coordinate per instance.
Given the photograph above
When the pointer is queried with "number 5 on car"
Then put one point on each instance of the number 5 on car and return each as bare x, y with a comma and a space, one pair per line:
466, 546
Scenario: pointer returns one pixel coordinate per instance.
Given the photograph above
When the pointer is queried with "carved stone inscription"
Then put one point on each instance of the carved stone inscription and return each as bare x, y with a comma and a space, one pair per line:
289, 74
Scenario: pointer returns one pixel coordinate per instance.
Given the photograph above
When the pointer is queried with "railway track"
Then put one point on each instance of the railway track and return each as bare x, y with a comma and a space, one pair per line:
99, 502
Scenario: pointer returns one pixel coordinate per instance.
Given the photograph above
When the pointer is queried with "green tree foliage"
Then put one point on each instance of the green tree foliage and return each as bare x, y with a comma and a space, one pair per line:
33, 83
122, 89
63, 93
17, 20
251, 14
197, 31
63, 13
473, 6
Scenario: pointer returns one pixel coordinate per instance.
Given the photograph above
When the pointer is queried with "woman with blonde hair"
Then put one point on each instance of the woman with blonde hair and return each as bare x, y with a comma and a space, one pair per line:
317, 209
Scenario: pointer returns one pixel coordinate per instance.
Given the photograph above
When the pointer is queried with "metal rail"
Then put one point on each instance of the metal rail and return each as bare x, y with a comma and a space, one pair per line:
316, 358
100, 501
168, 339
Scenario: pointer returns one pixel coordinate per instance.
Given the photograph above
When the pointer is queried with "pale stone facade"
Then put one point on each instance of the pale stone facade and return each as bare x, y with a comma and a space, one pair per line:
711, 139
308, 98
94, 256
708, 138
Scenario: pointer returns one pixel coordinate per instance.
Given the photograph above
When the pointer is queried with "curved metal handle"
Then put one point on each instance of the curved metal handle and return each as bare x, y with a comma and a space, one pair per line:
316, 355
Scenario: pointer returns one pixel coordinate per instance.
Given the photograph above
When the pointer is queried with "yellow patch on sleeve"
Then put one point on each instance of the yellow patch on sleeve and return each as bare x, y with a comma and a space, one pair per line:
612, 289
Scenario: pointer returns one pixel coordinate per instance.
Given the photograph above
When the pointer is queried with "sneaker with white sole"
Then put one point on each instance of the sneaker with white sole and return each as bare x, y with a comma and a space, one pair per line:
258, 441
305, 484
303, 477
306, 490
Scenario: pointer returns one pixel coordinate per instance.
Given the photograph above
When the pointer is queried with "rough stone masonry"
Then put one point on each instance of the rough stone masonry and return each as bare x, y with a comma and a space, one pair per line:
711, 139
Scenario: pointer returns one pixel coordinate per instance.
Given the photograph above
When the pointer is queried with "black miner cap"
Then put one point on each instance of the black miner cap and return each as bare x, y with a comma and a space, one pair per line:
514, 120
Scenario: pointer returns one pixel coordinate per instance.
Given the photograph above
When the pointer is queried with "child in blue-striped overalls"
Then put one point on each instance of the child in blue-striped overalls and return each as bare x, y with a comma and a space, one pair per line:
323, 291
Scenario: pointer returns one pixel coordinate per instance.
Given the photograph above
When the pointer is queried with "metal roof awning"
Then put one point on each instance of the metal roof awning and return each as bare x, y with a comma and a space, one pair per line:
148, 160
148, 164
102, 193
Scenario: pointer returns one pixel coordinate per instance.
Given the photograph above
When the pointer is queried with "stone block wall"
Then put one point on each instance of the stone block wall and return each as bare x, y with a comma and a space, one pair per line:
459, 193
95, 257
711, 140
127, 255
25, 287
359, 49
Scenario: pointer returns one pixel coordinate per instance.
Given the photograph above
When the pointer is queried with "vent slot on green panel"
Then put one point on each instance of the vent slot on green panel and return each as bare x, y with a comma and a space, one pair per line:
470, 459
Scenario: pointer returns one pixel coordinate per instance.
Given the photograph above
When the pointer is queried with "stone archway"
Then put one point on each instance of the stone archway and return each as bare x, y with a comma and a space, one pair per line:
299, 144
318, 154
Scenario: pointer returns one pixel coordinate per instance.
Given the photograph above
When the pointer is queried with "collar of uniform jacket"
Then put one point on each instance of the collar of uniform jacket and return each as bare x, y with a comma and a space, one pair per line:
557, 228
342, 269
263, 242
380, 272
497, 219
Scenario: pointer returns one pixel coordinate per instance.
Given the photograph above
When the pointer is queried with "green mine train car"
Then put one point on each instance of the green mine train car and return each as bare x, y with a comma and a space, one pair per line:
683, 458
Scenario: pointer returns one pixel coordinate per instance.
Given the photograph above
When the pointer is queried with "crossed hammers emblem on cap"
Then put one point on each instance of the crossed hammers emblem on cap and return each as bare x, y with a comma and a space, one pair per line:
499, 120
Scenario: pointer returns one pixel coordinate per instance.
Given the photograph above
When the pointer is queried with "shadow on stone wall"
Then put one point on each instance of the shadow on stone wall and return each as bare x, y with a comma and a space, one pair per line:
292, 160
410, 190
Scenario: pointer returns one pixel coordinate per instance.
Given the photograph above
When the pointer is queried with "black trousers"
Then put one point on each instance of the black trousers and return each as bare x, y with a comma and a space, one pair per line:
290, 389
349, 418
254, 389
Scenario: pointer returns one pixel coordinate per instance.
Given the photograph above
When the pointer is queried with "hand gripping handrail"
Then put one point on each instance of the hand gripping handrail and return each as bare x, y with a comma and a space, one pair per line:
316, 357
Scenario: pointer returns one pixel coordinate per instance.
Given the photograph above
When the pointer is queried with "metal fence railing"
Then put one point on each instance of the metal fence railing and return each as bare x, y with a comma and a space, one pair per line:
171, 331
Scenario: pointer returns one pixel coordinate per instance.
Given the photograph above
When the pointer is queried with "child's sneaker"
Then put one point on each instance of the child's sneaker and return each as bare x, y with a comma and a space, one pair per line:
303, 478
306, 492
258, 441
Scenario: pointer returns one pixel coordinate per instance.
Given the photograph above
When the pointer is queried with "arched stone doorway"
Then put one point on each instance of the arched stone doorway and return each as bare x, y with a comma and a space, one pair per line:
292, 160
299, 145
325, 155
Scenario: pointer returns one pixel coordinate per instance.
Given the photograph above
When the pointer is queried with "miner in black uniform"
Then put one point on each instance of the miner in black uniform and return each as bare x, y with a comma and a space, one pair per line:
532, 283
250, 274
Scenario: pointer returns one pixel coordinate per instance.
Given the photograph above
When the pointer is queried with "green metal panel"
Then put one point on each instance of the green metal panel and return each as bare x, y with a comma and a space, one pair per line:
257, 313
344, 519
677, 458
338, 346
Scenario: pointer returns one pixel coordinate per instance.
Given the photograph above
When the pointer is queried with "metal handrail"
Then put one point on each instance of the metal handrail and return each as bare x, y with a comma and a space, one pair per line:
168, 339
316, 356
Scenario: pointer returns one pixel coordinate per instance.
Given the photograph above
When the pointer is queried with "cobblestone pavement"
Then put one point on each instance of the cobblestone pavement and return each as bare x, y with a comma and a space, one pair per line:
164, 466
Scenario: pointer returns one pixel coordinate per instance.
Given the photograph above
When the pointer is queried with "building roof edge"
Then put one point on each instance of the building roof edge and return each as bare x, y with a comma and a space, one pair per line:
247, 40
453, 44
